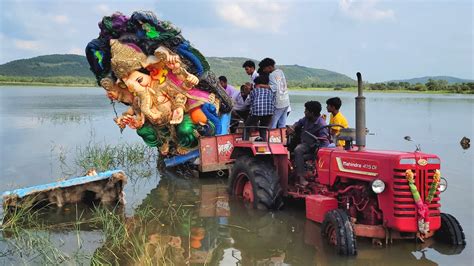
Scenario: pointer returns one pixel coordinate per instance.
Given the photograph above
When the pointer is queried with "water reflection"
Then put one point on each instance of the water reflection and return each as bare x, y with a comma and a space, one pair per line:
62, 118
181, 221
199, 224
193, 221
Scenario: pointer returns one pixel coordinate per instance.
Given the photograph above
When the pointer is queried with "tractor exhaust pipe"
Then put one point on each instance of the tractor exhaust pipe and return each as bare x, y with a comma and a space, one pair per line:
360, 115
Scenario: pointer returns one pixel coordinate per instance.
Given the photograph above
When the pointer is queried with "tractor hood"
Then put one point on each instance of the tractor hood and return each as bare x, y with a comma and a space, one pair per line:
369, 164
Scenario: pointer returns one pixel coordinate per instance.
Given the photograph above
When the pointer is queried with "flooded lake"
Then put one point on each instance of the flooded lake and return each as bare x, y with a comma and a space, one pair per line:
174, 218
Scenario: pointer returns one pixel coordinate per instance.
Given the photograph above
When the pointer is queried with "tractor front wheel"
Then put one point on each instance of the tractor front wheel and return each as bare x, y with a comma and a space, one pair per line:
338, 230
451, 231
257, 182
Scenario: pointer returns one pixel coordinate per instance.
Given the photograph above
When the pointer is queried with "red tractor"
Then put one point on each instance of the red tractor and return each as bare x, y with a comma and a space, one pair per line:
353, 192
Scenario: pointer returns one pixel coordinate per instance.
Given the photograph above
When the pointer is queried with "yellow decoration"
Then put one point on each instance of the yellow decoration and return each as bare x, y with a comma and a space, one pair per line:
159, 74
410, 176
437, 176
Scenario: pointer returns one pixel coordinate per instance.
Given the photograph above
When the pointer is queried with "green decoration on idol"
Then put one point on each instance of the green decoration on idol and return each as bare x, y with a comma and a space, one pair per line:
186, 133
148, 135
150, 31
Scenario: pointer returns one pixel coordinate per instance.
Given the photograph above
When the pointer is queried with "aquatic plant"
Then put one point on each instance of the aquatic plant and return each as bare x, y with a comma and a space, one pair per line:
136, 159
27, 239
141, 239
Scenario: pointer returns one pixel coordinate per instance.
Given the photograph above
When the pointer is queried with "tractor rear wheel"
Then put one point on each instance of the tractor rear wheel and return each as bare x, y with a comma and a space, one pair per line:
257, 182
451, 231
338, 229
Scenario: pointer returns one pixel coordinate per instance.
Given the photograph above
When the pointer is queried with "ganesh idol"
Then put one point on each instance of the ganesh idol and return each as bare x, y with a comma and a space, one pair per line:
162, 96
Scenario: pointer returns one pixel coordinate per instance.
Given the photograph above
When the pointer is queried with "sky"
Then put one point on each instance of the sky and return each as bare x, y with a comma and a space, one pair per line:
385, 40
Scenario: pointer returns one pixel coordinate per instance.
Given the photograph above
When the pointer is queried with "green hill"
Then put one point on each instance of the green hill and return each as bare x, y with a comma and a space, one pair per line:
231, 67
48, 67
423, 80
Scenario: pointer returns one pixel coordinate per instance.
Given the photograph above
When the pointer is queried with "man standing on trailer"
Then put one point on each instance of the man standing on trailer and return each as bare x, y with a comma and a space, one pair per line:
278, 85
249, 67
230, 90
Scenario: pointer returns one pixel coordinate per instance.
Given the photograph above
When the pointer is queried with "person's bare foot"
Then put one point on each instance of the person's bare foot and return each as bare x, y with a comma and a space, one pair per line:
302, 181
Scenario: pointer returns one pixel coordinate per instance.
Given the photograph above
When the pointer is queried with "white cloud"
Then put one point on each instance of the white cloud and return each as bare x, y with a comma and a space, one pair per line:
27, 45
75, 50
255, 15
234, 14
365, 10
103, 9
61, 19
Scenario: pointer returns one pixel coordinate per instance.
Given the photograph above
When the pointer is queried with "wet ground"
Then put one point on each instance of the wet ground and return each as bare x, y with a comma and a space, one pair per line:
174, 218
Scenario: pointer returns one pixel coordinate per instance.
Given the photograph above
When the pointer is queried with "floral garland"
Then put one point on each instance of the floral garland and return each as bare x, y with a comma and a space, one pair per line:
422, 207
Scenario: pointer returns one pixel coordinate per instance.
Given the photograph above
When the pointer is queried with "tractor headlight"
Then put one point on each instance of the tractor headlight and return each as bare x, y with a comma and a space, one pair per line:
378, 186
443, 184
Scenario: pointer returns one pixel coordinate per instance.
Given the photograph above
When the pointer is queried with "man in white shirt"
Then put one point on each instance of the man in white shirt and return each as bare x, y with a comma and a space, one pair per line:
249, 67
278, 85
241, 106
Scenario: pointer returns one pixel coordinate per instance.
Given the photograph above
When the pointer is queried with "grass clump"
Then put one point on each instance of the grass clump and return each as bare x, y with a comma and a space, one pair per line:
136, 159
142, 239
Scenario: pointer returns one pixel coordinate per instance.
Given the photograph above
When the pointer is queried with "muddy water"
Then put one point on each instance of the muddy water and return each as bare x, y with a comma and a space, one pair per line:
43, 129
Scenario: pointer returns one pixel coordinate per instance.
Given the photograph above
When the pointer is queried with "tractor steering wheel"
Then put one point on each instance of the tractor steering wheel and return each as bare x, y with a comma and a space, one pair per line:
318, 139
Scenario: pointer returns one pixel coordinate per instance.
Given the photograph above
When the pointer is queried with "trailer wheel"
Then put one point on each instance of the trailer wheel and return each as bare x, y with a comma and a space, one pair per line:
257, 182
338, 229
451, 231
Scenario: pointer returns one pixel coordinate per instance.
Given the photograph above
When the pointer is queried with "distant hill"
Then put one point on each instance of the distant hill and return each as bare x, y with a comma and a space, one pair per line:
48, 66
76, 66
231, 67
423, 80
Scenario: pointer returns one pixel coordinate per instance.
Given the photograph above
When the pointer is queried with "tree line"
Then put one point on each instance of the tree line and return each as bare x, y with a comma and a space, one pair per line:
57, 80
430, 86
316, 84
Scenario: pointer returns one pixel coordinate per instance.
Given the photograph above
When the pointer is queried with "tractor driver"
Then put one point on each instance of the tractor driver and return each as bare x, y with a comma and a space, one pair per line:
312, 123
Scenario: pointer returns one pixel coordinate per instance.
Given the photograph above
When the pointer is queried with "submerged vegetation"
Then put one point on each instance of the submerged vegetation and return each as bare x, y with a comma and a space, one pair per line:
136, 159
26, 238
141, 239
47, 235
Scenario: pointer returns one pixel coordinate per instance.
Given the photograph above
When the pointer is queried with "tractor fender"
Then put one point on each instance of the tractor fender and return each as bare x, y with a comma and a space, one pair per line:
258, 149
241, 151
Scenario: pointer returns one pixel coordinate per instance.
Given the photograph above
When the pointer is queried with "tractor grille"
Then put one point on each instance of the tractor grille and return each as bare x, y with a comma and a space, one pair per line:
404, 204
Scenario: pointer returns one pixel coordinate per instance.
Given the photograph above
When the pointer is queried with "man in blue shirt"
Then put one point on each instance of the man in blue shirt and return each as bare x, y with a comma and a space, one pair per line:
311, 122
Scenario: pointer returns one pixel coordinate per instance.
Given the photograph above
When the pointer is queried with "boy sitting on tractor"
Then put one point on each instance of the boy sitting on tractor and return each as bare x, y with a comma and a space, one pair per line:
312, 123
333, 106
